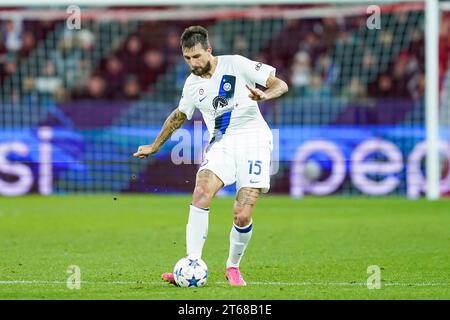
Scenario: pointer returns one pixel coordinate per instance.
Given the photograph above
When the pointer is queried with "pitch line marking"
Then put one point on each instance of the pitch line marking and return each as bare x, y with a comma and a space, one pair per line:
267, 283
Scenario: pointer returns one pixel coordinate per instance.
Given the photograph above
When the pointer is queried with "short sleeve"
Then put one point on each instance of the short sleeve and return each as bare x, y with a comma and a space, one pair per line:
186, 105
254, 71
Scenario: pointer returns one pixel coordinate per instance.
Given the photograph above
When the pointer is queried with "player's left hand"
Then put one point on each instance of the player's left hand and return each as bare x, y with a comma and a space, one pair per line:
256, 94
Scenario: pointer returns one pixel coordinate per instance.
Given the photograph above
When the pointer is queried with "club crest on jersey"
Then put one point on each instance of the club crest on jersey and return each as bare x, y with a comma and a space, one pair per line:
201, 91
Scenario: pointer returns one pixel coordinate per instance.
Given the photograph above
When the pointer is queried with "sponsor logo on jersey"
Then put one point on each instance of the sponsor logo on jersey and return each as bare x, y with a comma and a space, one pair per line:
219, 102
258, 66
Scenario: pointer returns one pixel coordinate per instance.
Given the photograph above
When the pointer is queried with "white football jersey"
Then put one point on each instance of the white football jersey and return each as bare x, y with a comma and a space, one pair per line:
223, 99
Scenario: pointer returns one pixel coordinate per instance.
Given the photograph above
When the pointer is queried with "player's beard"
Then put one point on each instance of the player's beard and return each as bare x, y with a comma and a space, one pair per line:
199, 71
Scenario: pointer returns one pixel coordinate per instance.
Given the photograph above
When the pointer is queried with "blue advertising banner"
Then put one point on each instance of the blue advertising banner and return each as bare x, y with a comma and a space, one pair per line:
372, 160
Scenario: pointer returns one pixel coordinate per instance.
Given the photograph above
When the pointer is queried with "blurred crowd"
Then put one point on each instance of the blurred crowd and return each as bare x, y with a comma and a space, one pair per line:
131, 70
318, 66
306, 55
17, 39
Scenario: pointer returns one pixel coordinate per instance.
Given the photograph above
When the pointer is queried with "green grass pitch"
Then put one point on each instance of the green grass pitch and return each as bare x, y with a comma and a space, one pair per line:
313, 248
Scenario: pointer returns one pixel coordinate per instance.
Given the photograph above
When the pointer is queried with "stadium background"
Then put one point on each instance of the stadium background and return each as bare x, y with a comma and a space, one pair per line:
76, 103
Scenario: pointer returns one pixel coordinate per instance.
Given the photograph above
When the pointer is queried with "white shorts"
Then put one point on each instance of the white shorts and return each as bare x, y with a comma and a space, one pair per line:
243, 158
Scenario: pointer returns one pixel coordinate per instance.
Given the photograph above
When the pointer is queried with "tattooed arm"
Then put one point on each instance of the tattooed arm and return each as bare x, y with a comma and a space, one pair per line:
275, 88
172, 123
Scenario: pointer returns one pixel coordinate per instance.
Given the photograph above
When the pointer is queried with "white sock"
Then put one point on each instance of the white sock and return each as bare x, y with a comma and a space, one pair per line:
196, 231
239, 238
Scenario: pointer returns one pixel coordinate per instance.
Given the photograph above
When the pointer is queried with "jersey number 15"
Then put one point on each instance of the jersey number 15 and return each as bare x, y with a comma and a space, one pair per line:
255, 167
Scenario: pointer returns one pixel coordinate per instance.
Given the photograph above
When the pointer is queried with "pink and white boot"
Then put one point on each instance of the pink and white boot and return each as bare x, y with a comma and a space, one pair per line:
169, 277
234, 276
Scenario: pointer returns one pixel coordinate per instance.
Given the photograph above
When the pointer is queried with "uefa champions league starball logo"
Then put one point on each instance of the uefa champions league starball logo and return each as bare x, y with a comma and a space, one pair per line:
227, 86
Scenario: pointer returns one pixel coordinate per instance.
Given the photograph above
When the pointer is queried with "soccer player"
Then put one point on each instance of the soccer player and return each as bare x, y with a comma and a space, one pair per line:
223, 89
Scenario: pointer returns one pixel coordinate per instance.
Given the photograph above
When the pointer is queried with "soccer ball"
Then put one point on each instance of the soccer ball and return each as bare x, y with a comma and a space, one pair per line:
190, 272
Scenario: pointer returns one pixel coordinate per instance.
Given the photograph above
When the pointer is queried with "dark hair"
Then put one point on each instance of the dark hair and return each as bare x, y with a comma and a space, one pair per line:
194, 35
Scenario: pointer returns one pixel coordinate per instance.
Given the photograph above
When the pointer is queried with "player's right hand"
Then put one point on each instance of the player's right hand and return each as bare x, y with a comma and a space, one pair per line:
256, 94
145, 151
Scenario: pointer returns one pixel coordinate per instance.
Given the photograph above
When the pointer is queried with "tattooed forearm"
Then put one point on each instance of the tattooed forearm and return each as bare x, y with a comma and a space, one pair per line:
172, 123
275, 88
247, 196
